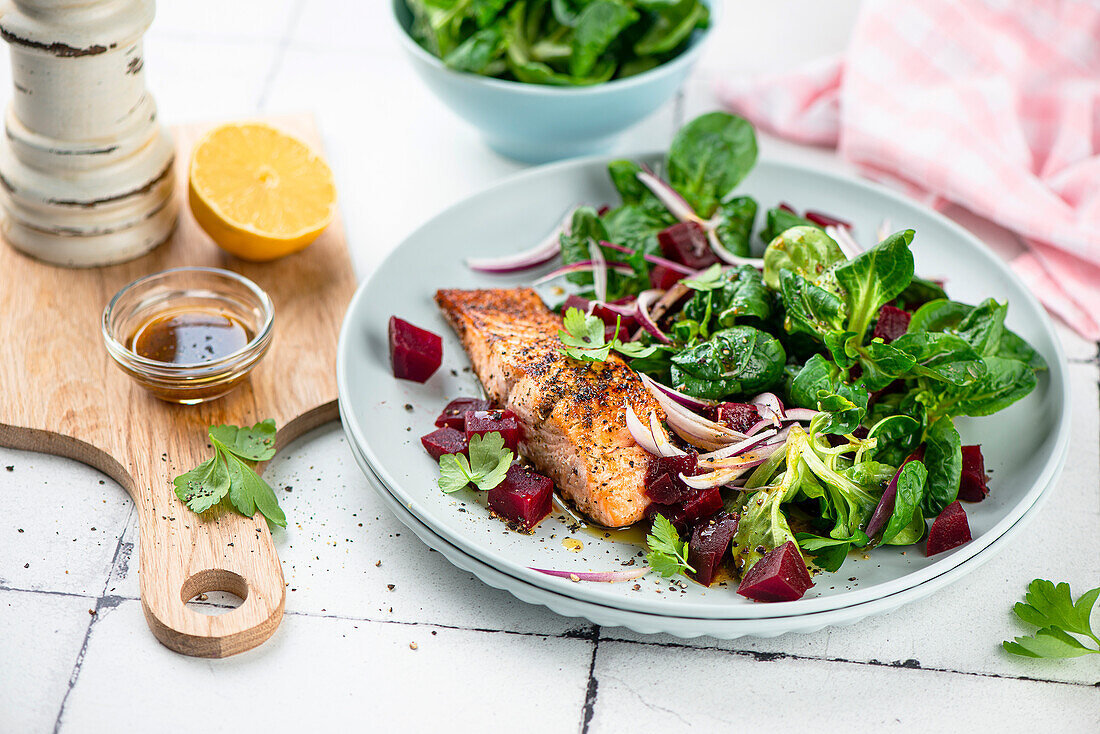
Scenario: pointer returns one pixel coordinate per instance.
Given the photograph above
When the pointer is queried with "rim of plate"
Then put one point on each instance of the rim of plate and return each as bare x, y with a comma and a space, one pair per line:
652, 623
740, 608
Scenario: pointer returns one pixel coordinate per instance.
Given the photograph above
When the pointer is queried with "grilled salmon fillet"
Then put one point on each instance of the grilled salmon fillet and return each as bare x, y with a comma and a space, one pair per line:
573, 412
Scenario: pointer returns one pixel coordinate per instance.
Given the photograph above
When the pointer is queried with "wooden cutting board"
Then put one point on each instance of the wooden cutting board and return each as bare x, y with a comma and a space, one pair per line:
61, 394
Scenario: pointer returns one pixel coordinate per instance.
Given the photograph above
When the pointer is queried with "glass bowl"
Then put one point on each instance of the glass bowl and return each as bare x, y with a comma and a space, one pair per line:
185, 291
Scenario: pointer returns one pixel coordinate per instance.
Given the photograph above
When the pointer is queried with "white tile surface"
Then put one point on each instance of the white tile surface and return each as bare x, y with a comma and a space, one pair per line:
660, 689
322, 674
41, 636
59, 523
341, 659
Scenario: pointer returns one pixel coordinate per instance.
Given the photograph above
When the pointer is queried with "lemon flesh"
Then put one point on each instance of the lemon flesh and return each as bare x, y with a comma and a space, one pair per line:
258, 192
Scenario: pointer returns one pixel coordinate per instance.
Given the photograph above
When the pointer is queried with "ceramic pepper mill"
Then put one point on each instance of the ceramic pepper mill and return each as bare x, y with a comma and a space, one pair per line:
86, 171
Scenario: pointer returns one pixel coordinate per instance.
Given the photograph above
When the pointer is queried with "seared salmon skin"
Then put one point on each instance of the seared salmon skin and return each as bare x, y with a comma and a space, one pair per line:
573, 412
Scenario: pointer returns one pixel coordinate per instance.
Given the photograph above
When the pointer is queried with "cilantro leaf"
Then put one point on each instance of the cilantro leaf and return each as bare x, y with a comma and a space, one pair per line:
231, 473
708, 280
255, 444
247, 491
489, 460
1051, 608
585, 335
488, 463
204, 486
667, 553
454, 472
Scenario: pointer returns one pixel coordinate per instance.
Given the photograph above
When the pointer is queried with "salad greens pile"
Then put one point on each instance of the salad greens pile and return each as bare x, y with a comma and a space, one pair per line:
556, 42
801, 322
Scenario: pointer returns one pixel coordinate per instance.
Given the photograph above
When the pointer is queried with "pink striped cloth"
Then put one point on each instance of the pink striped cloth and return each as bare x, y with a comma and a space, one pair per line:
993, 105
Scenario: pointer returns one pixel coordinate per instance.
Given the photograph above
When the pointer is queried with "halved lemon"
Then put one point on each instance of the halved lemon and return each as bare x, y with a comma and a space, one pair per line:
259, 192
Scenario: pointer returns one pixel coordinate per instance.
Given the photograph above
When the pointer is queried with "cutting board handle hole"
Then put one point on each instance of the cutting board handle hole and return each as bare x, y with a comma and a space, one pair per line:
214, 592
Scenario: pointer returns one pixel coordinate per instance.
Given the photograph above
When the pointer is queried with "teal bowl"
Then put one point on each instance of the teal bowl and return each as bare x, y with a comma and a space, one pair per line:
536, 123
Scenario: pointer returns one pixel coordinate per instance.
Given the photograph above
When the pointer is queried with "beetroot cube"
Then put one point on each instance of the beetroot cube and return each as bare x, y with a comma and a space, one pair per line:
523, 498
699, 503
444, 440
663, 483
504, 422
973, 487
787, 207
575, 301
415, 353
708, 545
738, 416
454, 415
686, 242
892, 323
780, 575
623, 333
663, 278
949, 530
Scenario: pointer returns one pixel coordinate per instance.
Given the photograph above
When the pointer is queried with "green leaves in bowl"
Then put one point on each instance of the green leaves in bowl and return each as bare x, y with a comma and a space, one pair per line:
556, 42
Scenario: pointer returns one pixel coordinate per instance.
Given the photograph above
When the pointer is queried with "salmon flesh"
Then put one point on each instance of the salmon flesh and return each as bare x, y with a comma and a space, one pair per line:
573, 412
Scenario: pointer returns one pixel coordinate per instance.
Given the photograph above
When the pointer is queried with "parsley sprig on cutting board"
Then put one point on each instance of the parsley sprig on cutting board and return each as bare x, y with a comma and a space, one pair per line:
1052, 609
230, 473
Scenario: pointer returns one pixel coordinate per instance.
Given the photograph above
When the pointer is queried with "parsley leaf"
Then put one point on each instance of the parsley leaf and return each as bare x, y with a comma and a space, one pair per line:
667, 553
230, 472
708, 280
584, 335
488, 463
1052, 609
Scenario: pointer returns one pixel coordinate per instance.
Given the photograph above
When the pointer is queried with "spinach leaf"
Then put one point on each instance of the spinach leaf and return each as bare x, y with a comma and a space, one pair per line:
918, 293
636, 226
828, 554
941, 356
674, 23
739, 296
1013, 346
804, 250
875, 277
817, 375
598, 24
897, 436
882, 364
735, 222
907, 503
810, 309
777, 221
1005, 381
624, 176
977, 325
478, 52
846, 405
708, 157
734, 361
943, 460
762, 527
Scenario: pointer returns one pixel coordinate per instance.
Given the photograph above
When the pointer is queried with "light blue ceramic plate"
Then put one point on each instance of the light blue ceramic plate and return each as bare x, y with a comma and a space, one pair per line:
679, 625
384, 417
537, 123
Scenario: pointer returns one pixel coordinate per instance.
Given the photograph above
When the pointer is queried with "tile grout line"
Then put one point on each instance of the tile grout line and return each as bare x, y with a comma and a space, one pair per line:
592, 688
103, 601
911, 664
280, 55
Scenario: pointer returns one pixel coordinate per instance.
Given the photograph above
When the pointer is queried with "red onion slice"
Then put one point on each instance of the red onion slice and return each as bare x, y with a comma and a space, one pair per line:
800, 414
739, 447
606, 577
769, 406
725, 255
664, 446
675, 267
653, 438
689, 402
721, 477
599, 271
583, 266
843, 237
646, 299
668, 196
540, 254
